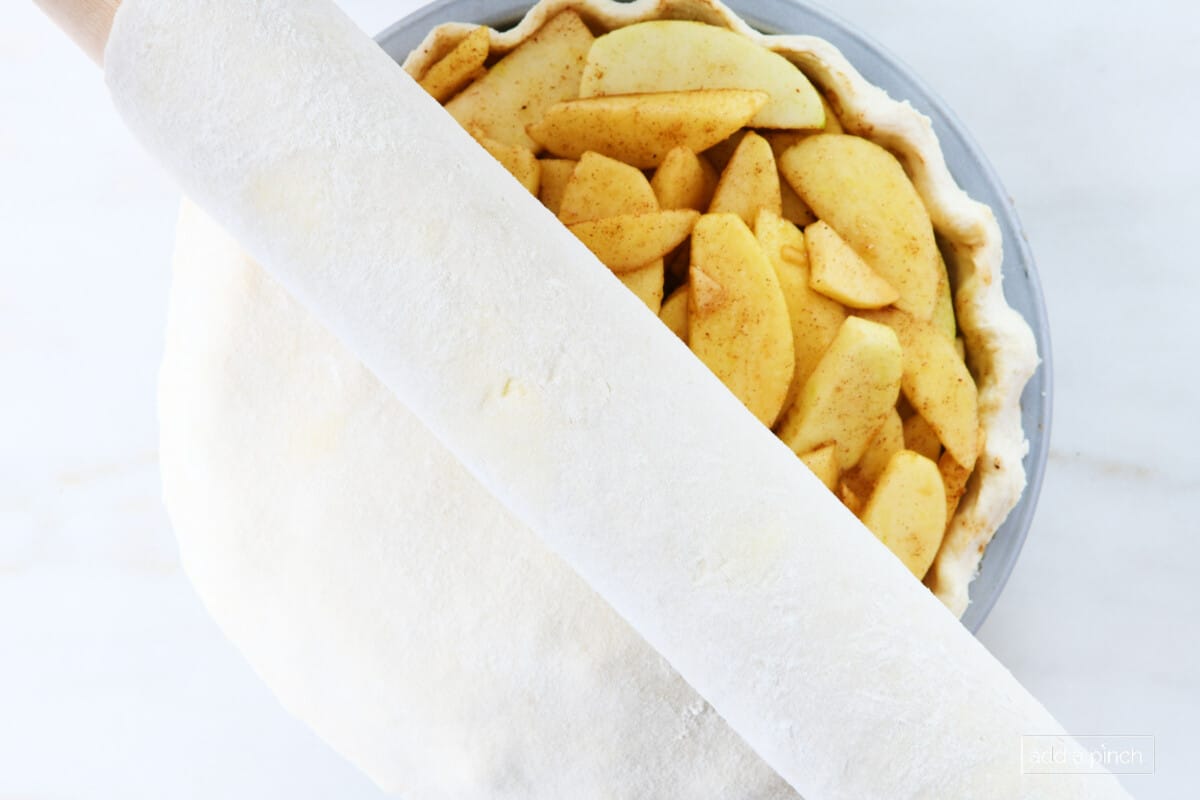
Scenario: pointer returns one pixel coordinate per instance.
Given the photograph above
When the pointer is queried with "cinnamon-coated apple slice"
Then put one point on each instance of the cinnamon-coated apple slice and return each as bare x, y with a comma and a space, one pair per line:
849, 394
674, 312
628, 241
815, 318
737, 316
674, 55
937, 383
601, 187
863, 193
750, 181
907, 510
841, 274
684, 180
640, 129
518, 88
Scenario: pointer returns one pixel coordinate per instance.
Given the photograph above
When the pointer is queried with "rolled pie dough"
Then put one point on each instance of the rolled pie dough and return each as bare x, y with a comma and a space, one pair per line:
390, 573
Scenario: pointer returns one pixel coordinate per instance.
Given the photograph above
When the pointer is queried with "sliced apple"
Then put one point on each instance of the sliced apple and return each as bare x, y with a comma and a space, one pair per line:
815, 319
849, 394
603, 187
556, 172
706, 293
823, 463
886, 442
629, 241
850, 498
737, 316
674, 312
750, 181
719, 154
861, 190
640, 129
840, 273
907, 510
459, 67
794, 209
937, 383
943, 308
684, 180
517, 90
647, 283
780, 141
954, 478
675, 55
832, 123
520, 161
920, 438
679, 261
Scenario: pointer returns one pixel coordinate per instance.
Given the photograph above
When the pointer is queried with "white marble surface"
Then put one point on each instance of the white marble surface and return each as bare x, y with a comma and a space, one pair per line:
114, 683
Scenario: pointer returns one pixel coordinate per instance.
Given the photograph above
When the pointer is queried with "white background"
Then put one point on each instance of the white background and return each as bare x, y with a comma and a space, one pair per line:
115, 684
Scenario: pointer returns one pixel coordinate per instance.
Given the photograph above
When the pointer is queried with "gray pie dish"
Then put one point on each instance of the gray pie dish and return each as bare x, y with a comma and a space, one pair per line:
970, 170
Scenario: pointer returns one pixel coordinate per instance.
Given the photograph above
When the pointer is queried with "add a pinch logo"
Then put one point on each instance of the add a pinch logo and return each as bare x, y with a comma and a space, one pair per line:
1084, 755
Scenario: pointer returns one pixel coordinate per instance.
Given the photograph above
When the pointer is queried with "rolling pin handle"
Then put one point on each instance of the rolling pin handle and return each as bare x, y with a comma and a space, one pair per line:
87, 22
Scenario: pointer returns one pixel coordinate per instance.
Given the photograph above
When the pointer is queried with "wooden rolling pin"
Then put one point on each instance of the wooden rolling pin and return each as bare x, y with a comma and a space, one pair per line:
87, 22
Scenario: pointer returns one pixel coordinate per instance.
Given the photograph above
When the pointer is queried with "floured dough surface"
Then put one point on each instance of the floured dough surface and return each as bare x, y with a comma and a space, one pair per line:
387, 598
813, 642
